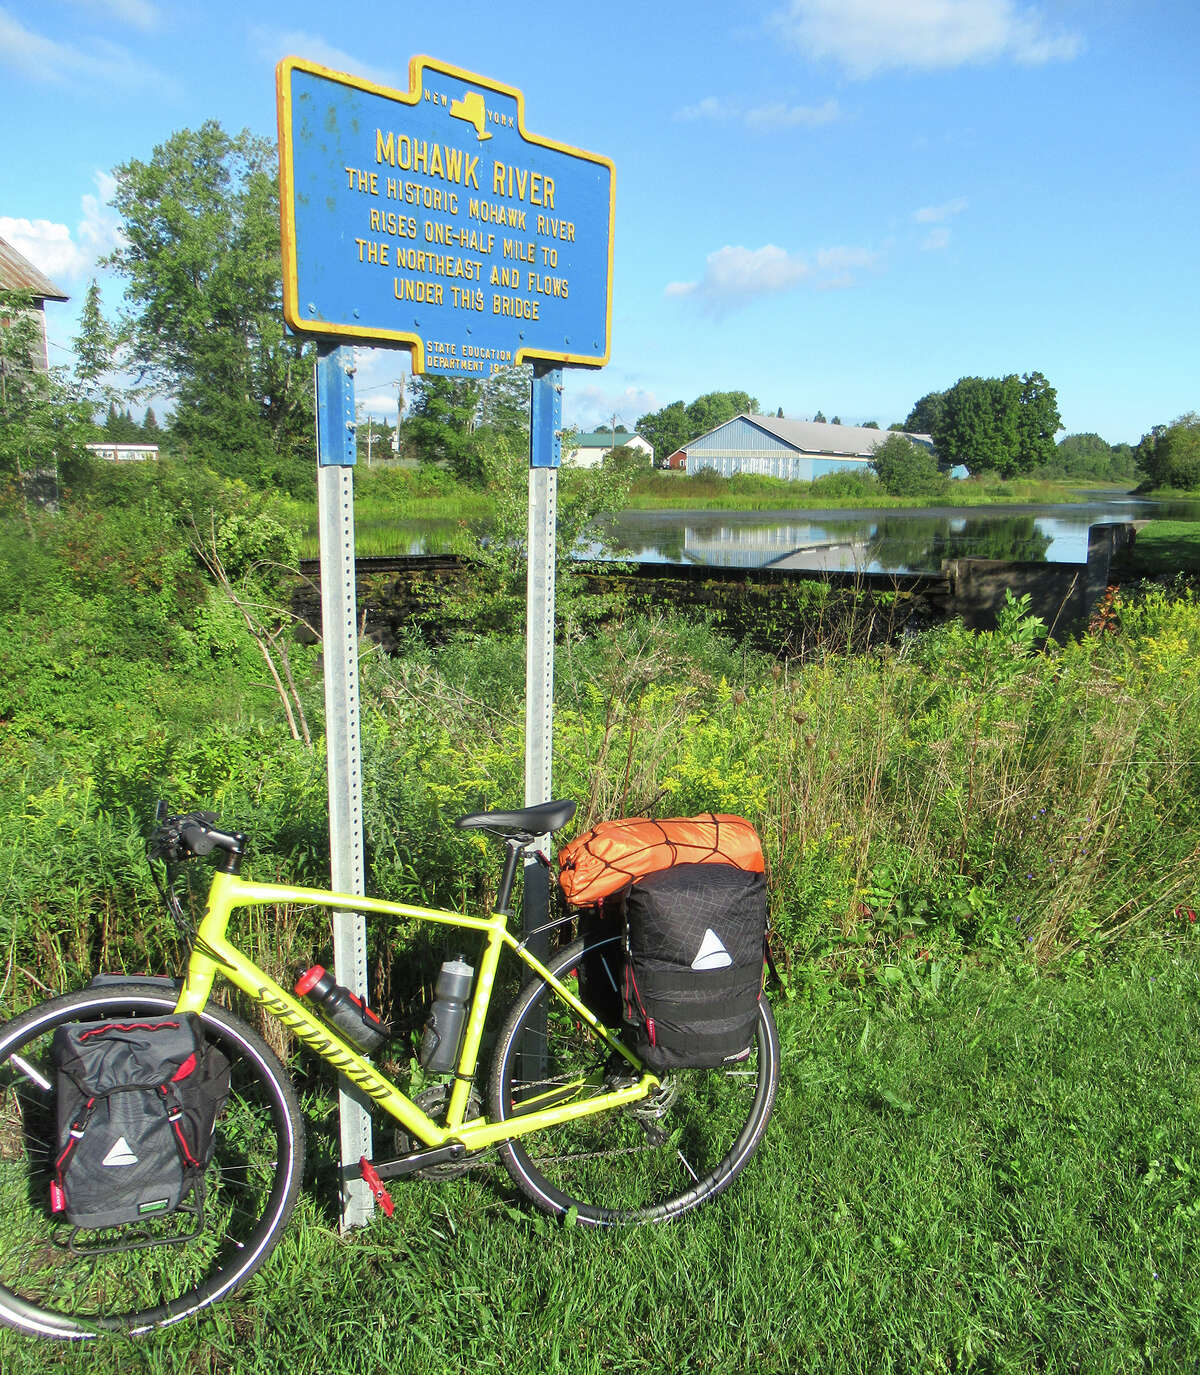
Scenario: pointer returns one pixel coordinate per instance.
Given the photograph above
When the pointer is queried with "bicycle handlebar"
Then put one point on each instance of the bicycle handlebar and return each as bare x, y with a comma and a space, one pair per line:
192, 836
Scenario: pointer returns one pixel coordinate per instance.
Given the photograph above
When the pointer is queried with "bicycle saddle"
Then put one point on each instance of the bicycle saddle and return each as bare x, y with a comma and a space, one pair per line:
524, 824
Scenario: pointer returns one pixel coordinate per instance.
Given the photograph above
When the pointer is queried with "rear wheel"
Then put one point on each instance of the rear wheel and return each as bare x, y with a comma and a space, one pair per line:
57, 1282
651, 1161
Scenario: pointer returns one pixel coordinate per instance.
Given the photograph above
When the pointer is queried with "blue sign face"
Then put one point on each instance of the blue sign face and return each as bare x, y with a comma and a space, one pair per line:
431, 220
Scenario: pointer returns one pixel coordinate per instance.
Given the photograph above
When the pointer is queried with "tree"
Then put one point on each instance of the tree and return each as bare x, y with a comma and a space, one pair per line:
1038, 422
676, 425
666, 429
925, 414
626, 459
41, 425
997, 424
715, 408
201, 258
907, 469
441, 424
94, 347
1083, 457
1170, 454
819, 419
120, 426
837, 420
870, 424
504, 403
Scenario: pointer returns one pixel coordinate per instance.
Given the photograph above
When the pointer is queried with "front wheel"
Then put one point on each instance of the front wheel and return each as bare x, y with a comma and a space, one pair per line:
653, 1160
55, 1282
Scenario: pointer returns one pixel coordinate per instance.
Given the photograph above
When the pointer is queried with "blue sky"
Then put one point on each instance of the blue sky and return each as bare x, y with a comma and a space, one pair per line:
835, 205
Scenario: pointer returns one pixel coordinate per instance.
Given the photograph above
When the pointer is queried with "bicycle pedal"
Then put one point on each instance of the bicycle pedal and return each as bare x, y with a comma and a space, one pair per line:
378, 1192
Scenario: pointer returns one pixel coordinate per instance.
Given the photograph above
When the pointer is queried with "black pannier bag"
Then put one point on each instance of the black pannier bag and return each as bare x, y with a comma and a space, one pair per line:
694, 941
138, 1102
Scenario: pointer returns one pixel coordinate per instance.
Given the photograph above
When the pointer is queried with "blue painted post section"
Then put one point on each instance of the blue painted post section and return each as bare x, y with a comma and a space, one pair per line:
336, 444
545, 429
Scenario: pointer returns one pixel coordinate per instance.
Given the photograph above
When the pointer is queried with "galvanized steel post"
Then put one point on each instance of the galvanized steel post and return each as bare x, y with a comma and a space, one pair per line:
545, 454
339, 634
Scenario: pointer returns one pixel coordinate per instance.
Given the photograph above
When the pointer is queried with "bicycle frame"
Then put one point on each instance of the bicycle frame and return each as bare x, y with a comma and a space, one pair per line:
213, 953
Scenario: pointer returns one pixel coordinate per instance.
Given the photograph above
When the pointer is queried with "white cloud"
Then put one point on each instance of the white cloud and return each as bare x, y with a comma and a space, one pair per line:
775, 114
734, 276
844, 259
708, 108
68, 258
95, 62
935, 214
278, 43
870, 36
138, 14
590, 407
936, 240
779, 115
48, 246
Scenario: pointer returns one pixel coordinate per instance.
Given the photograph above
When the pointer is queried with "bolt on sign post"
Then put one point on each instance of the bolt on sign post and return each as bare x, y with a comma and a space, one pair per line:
432, 220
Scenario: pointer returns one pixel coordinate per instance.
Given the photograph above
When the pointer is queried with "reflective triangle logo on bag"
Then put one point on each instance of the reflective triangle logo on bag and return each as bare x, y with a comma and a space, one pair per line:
120, 1154
712, 954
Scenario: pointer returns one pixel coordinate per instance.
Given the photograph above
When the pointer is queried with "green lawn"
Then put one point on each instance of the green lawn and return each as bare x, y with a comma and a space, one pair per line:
991, 1172
1163, 547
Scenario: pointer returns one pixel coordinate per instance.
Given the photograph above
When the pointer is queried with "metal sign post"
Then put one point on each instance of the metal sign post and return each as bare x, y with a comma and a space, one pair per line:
545, 454
339, 637
432, 220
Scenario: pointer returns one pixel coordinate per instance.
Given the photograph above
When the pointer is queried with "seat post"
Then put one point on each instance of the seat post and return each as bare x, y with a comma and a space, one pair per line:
514, 849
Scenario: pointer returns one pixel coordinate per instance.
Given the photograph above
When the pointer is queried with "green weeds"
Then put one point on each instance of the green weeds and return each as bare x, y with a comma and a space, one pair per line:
999, 1174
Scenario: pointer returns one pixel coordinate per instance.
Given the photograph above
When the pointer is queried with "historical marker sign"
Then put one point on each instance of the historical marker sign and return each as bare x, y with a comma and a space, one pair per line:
431, 219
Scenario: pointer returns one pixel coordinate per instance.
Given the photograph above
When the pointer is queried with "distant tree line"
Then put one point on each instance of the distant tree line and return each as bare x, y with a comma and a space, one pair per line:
201, 325
1170, 454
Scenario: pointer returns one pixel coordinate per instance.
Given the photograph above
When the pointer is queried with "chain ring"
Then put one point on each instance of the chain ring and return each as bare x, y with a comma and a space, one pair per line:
433, 1102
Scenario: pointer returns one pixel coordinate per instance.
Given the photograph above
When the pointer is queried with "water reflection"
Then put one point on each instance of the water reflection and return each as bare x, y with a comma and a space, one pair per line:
869, 541
820, 541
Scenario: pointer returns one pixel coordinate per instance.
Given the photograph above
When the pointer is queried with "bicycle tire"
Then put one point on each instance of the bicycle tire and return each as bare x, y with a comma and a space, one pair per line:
648, 1162
250, 1185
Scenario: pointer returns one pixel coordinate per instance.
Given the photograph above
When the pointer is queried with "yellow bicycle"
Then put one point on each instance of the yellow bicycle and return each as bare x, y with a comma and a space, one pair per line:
581, 1126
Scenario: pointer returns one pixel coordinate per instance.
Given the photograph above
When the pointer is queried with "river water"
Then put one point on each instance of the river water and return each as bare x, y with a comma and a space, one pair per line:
876, 541
820, 541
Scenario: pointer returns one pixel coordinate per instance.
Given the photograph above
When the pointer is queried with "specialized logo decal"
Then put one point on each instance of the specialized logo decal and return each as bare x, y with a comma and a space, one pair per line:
712, 954
120, 1154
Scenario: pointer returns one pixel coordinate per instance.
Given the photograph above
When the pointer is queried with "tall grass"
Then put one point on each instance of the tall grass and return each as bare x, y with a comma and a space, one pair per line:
958, 794
996, 1174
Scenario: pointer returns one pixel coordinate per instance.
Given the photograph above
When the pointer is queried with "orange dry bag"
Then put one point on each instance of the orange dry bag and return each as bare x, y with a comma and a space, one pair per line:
614, 853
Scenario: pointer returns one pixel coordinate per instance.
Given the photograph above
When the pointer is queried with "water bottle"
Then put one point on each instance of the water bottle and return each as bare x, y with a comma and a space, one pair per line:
447, 1017
341, 1009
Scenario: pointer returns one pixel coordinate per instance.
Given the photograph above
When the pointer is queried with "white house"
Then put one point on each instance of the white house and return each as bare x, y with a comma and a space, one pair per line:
124, 453
589, 450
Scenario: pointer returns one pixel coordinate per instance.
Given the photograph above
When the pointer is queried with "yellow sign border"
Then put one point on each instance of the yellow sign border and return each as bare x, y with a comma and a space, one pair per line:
417, 67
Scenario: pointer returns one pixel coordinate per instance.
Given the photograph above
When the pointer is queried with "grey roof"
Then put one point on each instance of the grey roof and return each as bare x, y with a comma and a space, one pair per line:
17, 273
815, 437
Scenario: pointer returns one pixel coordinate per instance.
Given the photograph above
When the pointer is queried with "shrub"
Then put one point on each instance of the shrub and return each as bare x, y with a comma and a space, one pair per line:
906, 469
